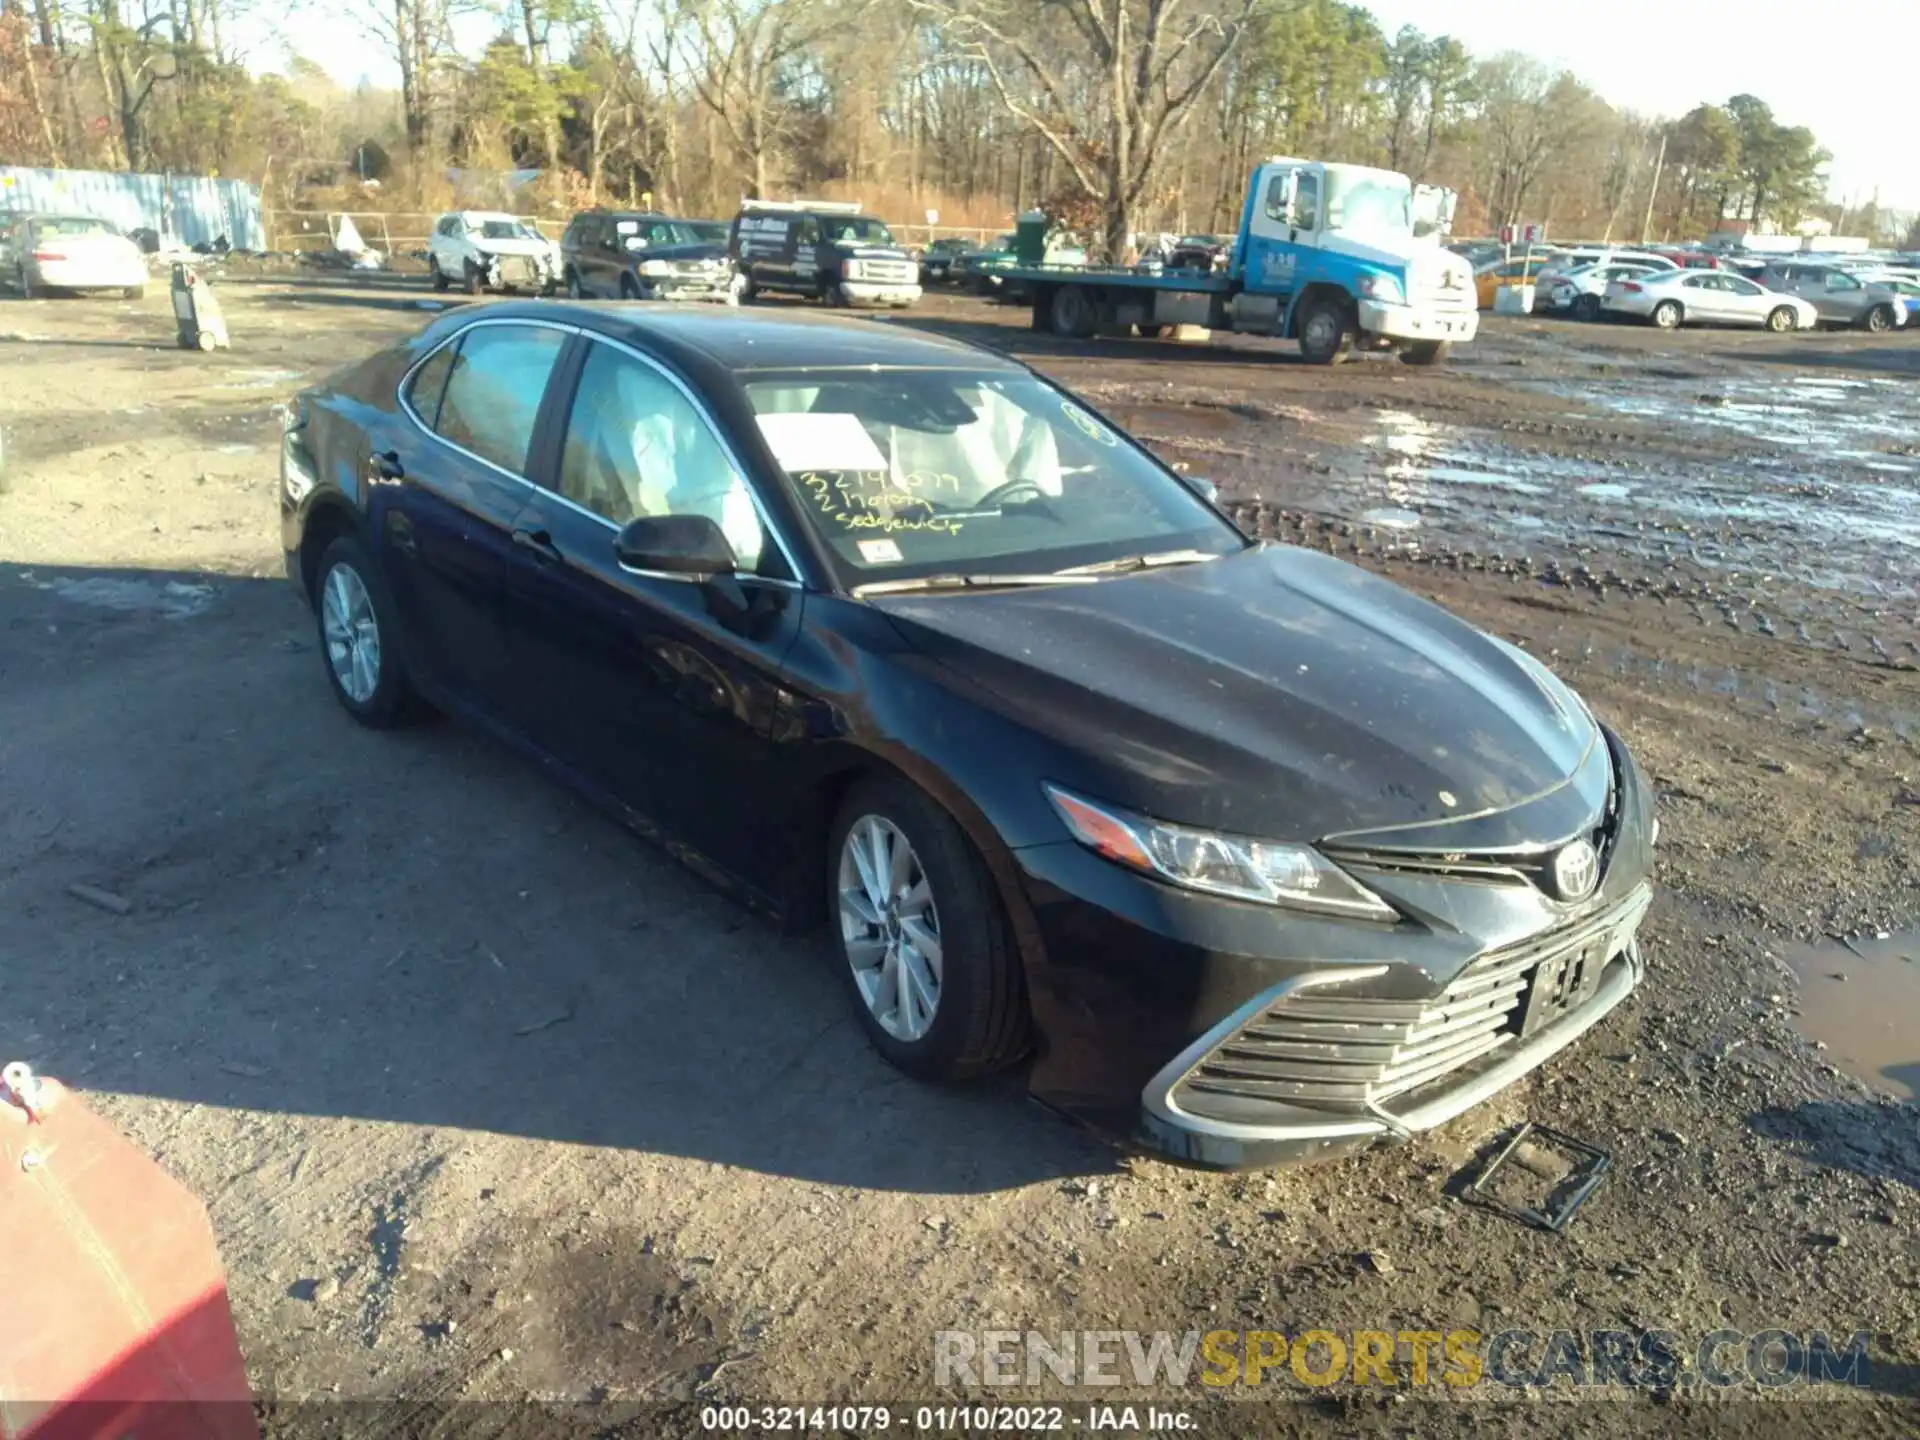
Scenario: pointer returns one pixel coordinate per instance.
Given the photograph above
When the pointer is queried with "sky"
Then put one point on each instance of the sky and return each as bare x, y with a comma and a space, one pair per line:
1844, 68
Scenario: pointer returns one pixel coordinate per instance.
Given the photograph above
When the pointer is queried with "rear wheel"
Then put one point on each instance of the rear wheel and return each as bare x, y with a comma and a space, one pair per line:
359, 637
1782, 319
1073, 312
1879, 319
1425, 352
1668, 315
1326, 334
930, 959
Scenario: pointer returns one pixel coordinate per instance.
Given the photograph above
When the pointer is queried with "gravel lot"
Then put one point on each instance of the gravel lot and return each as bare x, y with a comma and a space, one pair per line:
490, 1100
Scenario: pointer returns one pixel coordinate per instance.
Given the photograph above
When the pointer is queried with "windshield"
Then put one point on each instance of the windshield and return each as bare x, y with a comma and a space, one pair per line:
644, 234
856, 230
504, 230
911, 473
1368, 200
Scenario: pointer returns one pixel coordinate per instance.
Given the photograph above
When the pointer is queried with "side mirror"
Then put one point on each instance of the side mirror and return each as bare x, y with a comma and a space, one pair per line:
1205, 489
690, 545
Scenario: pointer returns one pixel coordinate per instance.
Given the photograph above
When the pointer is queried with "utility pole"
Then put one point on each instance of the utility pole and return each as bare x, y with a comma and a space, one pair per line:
1653, 191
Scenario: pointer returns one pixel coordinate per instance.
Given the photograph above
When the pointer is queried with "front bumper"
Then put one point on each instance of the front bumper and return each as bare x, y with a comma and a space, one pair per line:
1135, 986
872, 292
1410, 322
715, 289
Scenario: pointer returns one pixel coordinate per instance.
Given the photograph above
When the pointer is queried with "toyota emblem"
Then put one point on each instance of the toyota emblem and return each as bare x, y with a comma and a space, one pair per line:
1576, 870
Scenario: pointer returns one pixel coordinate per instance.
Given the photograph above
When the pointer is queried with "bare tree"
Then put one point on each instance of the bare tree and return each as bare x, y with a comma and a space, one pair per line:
1146, 63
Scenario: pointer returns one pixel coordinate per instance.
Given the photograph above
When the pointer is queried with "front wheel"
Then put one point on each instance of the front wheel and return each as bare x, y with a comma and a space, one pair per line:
930, 959
1326, 335
436, 274
475, 281
1782, 319
1879, 319
359, 637
1586, 307
1667, 315
1425, 352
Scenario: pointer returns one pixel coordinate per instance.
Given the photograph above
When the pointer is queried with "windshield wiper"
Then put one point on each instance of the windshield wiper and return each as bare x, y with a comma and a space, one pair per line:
1140, 562
966, 582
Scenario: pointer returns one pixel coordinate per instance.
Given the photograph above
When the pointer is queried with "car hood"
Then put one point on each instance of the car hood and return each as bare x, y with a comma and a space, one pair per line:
1276, 692
680, 254
873, 252
512, 247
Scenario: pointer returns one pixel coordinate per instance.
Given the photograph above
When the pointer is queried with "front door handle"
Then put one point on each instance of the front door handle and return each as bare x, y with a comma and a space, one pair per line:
386, 465
540, 542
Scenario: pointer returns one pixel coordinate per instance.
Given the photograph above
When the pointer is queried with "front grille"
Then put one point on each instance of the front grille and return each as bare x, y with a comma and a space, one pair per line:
1431, 295
888, 272
516, 269
1321, 1050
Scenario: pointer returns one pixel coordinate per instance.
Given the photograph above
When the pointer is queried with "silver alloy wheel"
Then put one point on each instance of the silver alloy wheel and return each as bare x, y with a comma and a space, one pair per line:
352, 633
890, 927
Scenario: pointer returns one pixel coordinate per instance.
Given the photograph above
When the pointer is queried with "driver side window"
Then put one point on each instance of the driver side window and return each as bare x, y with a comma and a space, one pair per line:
1306, 202
636, 446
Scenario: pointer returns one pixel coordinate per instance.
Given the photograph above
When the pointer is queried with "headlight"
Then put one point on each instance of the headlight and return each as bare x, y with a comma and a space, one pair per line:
655, 267
1383, 288
850, 269
297, 475
1262, 871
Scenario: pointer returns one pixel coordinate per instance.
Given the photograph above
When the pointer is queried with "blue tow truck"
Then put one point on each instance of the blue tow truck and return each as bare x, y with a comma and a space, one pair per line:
1337, 257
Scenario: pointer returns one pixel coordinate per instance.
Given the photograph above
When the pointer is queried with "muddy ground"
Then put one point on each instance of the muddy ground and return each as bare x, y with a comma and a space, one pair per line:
490, 1101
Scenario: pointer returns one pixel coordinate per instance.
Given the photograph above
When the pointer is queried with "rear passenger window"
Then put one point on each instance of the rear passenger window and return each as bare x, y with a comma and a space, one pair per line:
424, 389
493, 393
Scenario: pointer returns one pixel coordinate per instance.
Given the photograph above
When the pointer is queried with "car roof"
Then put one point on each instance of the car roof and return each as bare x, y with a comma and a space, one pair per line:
754, 339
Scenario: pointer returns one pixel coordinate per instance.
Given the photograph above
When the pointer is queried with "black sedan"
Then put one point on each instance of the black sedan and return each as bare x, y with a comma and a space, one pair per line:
1247, 851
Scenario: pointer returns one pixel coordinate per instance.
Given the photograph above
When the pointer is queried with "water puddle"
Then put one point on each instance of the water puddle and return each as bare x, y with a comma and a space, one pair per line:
1390, 517
1861, 998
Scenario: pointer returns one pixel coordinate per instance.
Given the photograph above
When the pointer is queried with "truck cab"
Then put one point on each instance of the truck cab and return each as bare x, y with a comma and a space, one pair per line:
1329, 254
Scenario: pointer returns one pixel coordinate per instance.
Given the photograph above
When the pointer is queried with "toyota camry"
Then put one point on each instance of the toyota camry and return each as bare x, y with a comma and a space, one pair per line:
1238, 848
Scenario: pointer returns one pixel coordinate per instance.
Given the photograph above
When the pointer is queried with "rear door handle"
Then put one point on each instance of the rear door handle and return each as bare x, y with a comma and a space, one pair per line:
540, 542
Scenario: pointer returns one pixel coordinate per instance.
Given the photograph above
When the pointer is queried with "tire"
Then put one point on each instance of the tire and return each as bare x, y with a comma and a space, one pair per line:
629, 287
1879, 319
474, 282
1073, 311
1586, 307
204, 342
574, 292
388, 700
979, 1018
1668, 315
1781, 319
435, 274
22, 284
134, 292
1326, 334
1425, 352
835, 294
749, 291
1151, 332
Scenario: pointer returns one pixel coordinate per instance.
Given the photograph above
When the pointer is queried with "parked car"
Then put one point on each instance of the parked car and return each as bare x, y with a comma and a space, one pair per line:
974, 269
1521, 270
1909, 293
70, 252
489, 250
832, 251
1578, 291
1841, 293
1671, 298
936, 261
1198, 252
892, 634
638, 255
1567, 260
1478, 253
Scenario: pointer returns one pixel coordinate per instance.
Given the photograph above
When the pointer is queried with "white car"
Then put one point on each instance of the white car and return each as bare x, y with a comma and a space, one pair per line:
1579, 291
1671, 298
70, 252
1576, 259
490, 250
